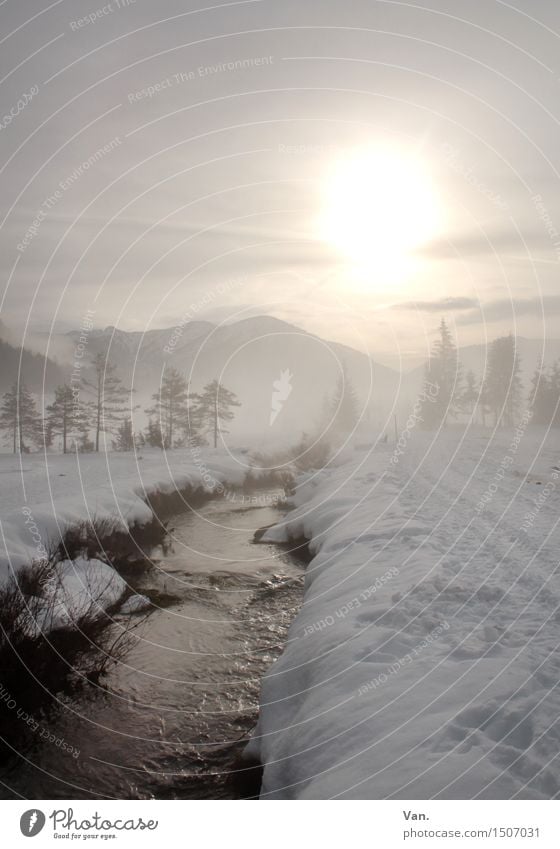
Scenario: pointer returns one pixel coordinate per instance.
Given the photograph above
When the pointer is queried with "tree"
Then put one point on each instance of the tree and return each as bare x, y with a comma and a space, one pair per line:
125, 438
555, 394
153, 435
343, 408
19, 417
85, 444
471, 393
442, 380
538, 395
67, 418
544, 397
171, 406
502, 389
108, 406
213, 407
311, 454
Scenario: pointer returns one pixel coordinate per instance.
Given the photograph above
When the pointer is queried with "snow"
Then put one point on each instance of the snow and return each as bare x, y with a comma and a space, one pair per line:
41, 495
55, 491
424, 662
77, 588
135, 604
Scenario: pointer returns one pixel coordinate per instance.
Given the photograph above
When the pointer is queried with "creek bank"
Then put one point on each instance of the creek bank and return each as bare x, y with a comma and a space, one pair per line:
174, 720
249, 769
52, 657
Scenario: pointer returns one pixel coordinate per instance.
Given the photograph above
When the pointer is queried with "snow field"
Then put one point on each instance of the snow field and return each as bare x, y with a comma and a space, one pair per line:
424, 662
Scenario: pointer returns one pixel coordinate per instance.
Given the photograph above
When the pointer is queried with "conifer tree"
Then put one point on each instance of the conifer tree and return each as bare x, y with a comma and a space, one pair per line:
67, 418
19, 417
544, 397
213, 408
124, 440
110, 396
442, 380
171, 407
502, 385
153, 435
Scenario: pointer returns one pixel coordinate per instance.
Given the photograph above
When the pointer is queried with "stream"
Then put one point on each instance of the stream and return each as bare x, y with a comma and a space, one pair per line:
172, 719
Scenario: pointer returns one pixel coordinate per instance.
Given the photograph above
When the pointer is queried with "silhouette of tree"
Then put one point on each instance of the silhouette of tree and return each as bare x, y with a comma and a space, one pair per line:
503, 389
442, 381
213, 408
19, 417
108, 406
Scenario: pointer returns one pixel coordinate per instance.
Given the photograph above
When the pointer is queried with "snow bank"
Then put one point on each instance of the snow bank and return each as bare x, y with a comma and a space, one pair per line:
424, 662
136, 604
40, 496
78, 587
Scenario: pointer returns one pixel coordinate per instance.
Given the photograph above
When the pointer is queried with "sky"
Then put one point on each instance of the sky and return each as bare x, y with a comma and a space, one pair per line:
175, 160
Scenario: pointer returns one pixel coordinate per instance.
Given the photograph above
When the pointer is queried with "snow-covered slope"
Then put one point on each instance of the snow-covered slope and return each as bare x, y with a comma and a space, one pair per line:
425, 660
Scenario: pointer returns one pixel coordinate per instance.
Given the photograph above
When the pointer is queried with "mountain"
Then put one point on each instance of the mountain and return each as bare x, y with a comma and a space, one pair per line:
39, 373
248, 357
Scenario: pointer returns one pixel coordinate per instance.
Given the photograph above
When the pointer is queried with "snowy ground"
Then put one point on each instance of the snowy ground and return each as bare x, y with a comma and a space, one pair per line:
425, 661
41, 496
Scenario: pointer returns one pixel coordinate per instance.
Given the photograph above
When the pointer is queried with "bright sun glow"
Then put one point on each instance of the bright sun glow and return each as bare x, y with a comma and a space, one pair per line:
379, 206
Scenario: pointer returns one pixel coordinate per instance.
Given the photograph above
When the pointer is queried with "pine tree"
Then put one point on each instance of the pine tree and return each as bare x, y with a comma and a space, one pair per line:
213, 407
125, 439
108, 406
442, 381
171, 406
19, 417
67, 418
502, 384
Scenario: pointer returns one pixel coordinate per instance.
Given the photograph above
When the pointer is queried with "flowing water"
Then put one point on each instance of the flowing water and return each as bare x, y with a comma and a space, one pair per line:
172, 719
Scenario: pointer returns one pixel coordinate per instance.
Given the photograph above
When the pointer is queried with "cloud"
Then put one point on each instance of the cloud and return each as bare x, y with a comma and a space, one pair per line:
477, 312
505, 309
442, 305
531, 242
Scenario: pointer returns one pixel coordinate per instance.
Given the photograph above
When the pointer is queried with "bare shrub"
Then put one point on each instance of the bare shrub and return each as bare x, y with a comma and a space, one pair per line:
104, 540
48, 647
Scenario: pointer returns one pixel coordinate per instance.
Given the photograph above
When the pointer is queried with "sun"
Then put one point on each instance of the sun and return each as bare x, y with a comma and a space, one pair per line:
379, 206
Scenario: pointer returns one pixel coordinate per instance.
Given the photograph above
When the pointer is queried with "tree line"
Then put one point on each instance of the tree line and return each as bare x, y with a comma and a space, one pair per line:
177, 416
497, 398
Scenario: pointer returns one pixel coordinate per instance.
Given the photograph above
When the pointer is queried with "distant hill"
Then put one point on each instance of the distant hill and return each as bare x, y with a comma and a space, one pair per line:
248, 357
38, 372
